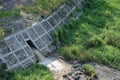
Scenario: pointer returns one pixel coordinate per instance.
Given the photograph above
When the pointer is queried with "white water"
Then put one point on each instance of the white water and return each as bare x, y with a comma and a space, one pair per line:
39, 55
53, 64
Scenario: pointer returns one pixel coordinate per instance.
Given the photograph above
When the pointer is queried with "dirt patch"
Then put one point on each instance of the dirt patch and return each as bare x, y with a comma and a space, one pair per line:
106, 73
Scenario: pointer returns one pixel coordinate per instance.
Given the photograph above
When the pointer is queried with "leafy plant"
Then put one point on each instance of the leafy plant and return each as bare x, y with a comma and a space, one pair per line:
93, 43
11, 14
89, 70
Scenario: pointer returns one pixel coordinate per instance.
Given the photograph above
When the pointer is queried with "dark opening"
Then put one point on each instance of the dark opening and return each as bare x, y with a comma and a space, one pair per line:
31, 44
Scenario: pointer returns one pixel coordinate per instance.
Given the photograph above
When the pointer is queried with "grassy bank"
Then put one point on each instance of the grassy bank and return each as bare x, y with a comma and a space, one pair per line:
35, 72
95, 37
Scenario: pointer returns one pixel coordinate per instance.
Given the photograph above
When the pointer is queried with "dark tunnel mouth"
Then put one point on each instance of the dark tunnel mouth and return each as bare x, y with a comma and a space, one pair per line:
33, 47
31, 44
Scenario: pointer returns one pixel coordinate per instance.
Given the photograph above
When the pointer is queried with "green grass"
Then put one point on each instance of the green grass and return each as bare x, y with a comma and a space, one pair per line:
35, 72
10, 14
95, 37
89, 70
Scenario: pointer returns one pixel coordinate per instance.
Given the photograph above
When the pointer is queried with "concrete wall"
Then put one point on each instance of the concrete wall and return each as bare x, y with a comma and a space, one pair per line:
21, 54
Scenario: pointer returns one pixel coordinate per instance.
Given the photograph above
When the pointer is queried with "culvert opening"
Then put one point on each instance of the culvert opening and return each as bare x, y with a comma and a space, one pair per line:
37, 53
31, 44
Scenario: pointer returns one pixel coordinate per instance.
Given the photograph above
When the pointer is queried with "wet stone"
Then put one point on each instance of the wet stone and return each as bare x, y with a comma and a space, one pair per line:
61, 14
29, 51
46, 25
32, 34
52, 21
27, 63
10, 60
40, 44
21, 55
67, 8
20, 39
25, 35
12, 43
46, 39
39, 29
15, 68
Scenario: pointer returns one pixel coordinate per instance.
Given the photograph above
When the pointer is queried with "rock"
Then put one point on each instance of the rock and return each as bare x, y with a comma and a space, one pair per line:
70, 78
76, 65
70, 73
75, 62
65, 76
78, 78
61, 57
79, 73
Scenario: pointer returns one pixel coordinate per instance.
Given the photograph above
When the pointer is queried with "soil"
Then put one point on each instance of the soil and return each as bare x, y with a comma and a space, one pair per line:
106, 73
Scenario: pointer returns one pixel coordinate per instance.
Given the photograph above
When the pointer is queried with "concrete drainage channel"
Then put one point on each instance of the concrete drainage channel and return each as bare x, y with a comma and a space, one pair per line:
18, 52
